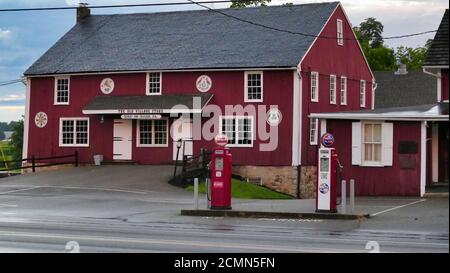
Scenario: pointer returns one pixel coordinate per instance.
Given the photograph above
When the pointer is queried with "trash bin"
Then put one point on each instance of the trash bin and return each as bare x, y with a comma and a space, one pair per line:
98, 159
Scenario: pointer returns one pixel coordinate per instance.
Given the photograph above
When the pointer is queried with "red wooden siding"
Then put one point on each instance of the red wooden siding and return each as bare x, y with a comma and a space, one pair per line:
328, 58
228, 88
373, 181
444, 85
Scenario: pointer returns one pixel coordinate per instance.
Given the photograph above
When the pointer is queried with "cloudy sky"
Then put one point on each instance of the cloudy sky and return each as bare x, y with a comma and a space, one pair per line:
25, 36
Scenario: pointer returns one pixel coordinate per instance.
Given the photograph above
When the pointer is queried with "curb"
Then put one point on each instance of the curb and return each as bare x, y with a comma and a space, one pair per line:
277, 215
436, 195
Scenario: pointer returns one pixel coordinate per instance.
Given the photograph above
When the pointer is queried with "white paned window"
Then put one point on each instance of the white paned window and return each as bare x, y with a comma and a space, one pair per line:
372, 144
74, 132
343, 96
340, 32
313, 131
153, 133
154, 83
62, 91
362, 93
314, 86
332, 89
239, 130
253, 86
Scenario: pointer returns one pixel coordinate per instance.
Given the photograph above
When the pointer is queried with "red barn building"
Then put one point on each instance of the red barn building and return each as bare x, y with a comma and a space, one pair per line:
128, 86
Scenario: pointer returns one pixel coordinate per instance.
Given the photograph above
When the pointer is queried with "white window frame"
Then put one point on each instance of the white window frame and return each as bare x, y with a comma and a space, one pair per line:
236, 118
314, 137
315, 75
371, 163
333, 89
138, 134
55, 98
340, 32
343, 90
246, 74
74, 144
362, 93
147, 81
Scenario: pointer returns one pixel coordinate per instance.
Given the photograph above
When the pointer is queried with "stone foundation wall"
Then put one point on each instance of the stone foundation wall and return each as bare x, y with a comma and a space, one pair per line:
308, 176
280, 178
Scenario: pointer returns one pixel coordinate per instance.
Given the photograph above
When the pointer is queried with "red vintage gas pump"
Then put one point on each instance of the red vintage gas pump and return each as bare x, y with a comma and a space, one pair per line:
221, 169
328, 167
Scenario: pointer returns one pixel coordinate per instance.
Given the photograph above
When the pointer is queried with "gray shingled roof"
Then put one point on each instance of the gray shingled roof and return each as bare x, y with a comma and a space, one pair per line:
415, 88
438, 53
163, 102
185, 40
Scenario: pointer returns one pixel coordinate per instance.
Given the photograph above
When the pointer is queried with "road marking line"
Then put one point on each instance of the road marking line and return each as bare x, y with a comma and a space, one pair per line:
171, 242
14, 191
7, 206
398, 207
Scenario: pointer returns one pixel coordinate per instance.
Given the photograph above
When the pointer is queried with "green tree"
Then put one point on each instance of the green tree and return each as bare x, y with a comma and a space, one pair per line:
412, 57
372, 31
247, 3
2, 135
17, 140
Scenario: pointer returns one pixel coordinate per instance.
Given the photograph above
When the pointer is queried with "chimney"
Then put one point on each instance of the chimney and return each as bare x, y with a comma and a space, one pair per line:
402, 69
83, 12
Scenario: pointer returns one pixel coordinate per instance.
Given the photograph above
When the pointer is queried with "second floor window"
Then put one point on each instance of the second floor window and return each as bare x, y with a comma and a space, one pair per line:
314, 86
253, 87
332, 89
62, 91
362, 93
154, 83
343, 96
340, 32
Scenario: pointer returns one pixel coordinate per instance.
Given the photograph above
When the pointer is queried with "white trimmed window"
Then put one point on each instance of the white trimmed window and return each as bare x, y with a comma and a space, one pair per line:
153, 133
372, 142
314, 86
313, 131
239, 130
332, 89
253, 86
62, 91
343, 90
154, 83
362, 93
340, 32
74, 132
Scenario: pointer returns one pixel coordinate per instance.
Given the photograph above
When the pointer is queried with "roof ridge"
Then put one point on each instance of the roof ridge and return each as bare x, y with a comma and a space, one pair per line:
219, 9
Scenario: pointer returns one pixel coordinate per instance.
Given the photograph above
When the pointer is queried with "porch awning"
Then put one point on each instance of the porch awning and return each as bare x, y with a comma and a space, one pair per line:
429, 112
156, 104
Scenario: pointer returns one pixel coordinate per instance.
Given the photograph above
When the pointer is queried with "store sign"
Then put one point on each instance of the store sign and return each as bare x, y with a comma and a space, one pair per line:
141, 117
140, 111
327, 140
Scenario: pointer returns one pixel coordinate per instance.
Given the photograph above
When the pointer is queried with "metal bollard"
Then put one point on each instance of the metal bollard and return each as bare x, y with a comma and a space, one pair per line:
196, 193
343, 196
352, 195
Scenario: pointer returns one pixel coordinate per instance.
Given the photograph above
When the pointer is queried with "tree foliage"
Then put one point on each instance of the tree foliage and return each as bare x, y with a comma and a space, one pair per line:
17, 140
248, 3
372, 31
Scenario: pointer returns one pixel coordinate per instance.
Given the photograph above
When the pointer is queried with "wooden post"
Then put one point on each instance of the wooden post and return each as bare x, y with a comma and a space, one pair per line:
33, 163
76, 158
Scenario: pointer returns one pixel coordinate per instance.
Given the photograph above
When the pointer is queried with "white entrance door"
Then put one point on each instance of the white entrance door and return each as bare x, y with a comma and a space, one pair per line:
122, 139
182, 129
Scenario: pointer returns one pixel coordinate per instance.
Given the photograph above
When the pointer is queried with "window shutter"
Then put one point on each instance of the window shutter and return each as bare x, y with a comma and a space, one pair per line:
387, 130
356, 143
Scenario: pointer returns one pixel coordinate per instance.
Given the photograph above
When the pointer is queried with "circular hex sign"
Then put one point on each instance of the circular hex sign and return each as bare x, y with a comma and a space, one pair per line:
107, 86
274, 117
327, 140
41, 119
204, 83
221, 140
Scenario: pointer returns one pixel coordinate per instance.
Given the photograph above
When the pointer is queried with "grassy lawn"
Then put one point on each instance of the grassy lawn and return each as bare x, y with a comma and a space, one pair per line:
245, 190
7, 152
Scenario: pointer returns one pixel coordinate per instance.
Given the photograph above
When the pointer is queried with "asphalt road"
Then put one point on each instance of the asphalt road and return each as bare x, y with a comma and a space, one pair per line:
50, 213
